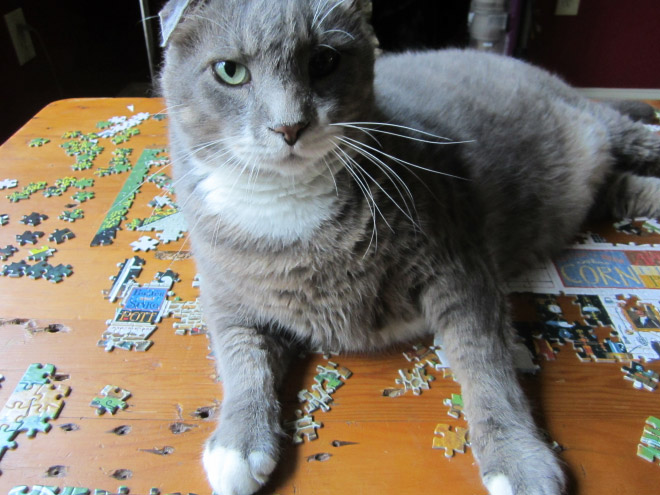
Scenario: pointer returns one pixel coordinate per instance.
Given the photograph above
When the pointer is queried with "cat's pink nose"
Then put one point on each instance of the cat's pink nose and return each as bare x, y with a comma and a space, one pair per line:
291, 132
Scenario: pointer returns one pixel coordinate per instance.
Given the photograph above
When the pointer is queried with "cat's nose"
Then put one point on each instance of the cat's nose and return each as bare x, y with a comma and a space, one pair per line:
290, 132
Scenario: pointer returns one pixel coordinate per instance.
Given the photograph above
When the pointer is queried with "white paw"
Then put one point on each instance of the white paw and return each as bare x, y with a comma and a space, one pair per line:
499, 485
229, 473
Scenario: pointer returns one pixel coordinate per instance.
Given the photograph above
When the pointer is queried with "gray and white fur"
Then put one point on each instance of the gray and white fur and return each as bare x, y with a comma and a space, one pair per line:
348, 203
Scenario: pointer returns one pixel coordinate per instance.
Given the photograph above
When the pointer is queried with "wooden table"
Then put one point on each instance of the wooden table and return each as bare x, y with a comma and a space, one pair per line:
595, 415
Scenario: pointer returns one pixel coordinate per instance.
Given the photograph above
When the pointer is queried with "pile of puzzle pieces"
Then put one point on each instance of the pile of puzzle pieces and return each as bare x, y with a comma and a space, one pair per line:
74, 490
34, 402
417, 379
328, 379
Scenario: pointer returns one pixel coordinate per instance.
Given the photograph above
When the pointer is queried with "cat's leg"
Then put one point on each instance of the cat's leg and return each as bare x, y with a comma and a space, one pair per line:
243, 451
627, 195
467, 307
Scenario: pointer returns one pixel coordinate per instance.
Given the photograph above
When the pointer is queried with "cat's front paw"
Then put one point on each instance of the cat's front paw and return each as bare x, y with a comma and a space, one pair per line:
231, 473
529, 468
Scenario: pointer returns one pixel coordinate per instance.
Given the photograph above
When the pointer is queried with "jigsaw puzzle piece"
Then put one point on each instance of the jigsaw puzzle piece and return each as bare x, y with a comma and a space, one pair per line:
455, 405
48, 400
303, 428
330, 377
35, 424
450, 440
318, 398
18, 406
415, 380
649, 448
37, 374
640, 376
113, 398
7, 435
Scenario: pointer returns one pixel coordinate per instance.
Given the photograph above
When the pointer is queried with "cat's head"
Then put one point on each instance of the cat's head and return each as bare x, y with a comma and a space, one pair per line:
258, 83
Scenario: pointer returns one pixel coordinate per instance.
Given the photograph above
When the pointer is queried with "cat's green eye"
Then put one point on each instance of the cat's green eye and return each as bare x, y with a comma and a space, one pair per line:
231, 73
324, 61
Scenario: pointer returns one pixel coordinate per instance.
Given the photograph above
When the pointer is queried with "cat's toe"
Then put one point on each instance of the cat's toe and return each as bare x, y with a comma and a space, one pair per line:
231, 473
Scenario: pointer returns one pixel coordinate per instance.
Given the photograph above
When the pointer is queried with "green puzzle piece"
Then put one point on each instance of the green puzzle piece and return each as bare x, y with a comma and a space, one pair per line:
36, 374
649, 449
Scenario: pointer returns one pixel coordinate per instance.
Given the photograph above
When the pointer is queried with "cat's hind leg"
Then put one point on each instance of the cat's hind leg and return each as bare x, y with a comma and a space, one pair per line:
243, 451
467, 307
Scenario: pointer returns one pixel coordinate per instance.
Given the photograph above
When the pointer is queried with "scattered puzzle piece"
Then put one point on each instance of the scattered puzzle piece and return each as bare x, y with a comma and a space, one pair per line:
28, 237
33, 219
38, 142
8, 183
318, 398
649, 448
82, 196
37, 270
61, 235
15, 270
640, 376
113, 398
57, 273
72, 215
303, 428
41, 254
450, 441
7, 252
455, 405
415, 380
4, 219
144, 243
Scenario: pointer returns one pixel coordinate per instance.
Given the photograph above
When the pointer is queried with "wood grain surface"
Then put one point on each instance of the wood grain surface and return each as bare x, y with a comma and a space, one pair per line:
595, 415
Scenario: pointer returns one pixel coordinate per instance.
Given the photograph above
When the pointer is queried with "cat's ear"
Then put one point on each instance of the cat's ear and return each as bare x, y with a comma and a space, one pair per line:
170, 16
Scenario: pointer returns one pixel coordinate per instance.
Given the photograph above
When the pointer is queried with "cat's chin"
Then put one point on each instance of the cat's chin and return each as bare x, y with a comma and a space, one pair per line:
293, 163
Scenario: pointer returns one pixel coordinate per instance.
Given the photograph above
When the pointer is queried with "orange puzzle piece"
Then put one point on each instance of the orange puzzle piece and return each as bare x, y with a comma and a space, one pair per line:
451, 441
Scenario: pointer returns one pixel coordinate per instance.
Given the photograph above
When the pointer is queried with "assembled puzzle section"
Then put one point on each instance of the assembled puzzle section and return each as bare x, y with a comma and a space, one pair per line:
141, 306
34, 402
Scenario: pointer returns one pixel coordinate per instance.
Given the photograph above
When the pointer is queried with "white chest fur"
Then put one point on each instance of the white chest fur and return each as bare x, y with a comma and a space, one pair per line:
266, 206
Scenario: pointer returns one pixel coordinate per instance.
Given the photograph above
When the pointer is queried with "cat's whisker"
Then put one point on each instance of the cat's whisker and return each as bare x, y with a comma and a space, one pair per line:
368, 195
332, 176
404, 136
340, 31
321, 5
318, 23
166, 110
391, 175
405, 211
355, 167
414, 165
359, 125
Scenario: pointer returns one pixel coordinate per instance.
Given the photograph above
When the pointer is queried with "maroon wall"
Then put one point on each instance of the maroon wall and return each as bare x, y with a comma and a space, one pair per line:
610, 43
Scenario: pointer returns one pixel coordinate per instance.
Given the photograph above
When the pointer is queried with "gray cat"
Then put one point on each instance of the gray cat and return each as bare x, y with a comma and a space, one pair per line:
348, 203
